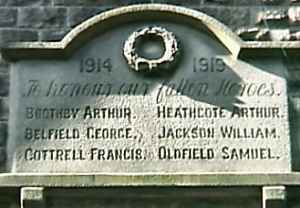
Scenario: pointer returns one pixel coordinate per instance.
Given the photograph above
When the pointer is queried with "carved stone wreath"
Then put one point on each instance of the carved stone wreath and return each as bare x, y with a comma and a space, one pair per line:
139, 63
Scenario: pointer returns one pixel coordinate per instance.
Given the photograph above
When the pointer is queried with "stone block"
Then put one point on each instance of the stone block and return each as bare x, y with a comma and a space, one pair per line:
2, 156
8, 17
139, 1
79, 14
178, 2
294, 15
40, 17
4, 85
294, 1
271, 16
24, 2
218, 2
293, 71
53, 35
271, 2
88, 2
4, 109
254, 34
10, 35
4, 67
3, 133
5, 2
31, 2
223, 14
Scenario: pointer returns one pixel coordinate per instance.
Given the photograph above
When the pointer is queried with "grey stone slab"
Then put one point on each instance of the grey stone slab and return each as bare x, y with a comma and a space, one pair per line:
211, 112
185, 122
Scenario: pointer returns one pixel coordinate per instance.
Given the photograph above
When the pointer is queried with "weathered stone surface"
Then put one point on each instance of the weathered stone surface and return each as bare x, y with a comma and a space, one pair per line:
221, 2
4, 109
6, 2
294, 15
223, 14
2, 156
25, 2
294, 108
3, 133
273, 25
89, 2
291, 36
42, 18
56, 34
241, 18
52, 35
9, 35
280, 34
264, 17
79, 14
4, 67
93, 113
31, 2
126, 2
8, 17
4, 85
293, 70
254, 33
32, 197
179, 2
246, 2
271, 2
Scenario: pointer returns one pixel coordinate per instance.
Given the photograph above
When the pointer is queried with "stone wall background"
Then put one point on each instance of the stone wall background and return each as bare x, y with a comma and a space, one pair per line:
50, 20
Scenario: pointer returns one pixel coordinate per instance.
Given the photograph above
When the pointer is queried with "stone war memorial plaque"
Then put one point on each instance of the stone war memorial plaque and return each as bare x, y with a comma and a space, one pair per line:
148, 89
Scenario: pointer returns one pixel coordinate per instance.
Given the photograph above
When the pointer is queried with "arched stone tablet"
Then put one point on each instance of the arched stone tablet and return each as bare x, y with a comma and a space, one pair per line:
199, 101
